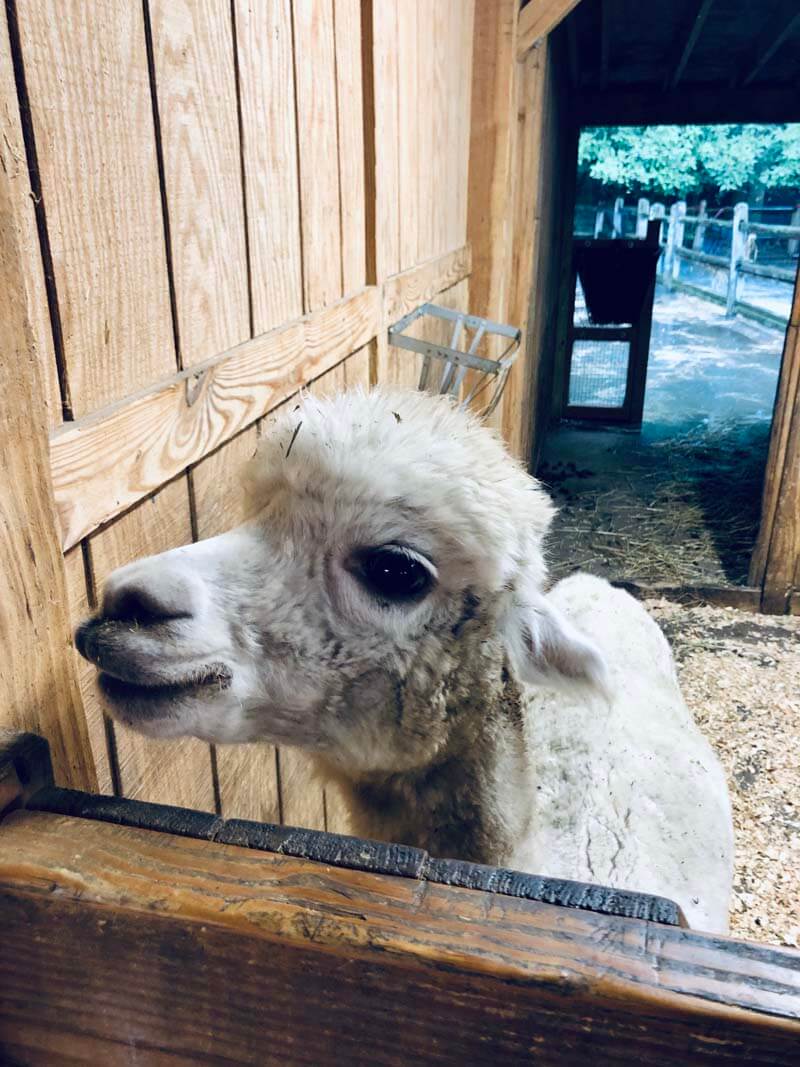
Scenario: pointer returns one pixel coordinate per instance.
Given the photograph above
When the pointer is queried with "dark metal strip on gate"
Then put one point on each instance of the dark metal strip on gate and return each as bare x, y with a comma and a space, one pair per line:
335, 850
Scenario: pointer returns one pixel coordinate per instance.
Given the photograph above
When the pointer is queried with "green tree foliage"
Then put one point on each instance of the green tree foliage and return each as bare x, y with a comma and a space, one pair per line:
679, 160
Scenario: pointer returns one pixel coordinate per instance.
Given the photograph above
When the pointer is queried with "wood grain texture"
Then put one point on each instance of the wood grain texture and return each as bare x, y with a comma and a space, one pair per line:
492, 131
406, 291
301, 791
782, 574
168, 772
461, 141
428, 152
408, 103
386, 137
196, 89
358, 368
315, 73
350, 114
105, 463
247, 774
269, 135
528, 206
79, 609
440, 115
410, 972
38, 683
14, 163
86, 68
537, 19
354, 853
772, 566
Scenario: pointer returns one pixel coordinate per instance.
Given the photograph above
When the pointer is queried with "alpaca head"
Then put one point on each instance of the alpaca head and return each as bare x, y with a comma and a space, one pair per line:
391, 539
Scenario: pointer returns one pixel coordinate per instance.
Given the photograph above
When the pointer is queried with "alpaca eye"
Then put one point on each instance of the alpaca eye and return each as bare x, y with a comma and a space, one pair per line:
394, 573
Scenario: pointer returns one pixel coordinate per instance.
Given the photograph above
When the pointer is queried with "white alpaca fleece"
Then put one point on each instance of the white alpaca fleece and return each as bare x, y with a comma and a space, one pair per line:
384, 608
418, 452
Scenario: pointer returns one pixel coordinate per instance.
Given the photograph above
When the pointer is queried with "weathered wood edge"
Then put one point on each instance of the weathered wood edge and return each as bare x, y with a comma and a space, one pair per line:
28, 755
539, 18
743, 597
354, 853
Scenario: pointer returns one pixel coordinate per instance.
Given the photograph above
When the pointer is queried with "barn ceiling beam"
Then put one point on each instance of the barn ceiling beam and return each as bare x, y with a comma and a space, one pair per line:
605, 41
685, 42
783, 23
537, 19
687, 104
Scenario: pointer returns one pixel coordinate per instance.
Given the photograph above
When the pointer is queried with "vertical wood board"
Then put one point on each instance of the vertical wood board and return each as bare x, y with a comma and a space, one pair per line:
350, 113
315, 71
38, 684
14, 163
87, 75
196, 90
387, 137
97, 728
269, 136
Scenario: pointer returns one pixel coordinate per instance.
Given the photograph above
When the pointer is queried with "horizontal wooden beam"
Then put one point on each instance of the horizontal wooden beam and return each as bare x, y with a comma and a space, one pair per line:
404, 292
784, 21
537, 19
687, 39
743, 597
118, 938
106, 462
635, 106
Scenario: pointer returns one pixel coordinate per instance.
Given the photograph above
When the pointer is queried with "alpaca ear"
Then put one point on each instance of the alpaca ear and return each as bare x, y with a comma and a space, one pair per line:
547, 650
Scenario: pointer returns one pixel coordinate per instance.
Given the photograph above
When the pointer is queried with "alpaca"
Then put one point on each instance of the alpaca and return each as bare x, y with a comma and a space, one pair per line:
383, 607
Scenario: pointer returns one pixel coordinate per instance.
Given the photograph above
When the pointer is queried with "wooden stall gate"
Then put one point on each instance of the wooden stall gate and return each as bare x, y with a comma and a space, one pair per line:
136, 932
204, 208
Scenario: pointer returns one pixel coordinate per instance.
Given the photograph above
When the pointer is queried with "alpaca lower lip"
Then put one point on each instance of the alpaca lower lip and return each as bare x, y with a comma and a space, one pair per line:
122, 690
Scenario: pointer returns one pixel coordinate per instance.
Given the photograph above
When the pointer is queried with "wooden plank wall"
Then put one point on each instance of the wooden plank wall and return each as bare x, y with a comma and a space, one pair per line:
215, 204
523, 154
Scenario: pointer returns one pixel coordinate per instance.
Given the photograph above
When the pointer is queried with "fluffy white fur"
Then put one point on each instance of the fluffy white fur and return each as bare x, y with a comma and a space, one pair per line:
488, 720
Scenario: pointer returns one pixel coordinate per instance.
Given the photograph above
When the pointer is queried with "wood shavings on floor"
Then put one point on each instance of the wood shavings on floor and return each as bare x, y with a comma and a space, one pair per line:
740, 676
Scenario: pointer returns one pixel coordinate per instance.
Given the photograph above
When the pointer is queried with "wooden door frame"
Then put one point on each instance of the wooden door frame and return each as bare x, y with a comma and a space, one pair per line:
775, 565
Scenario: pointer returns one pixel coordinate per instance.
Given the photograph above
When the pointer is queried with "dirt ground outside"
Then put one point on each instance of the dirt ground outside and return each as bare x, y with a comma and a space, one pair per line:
678, 501
740, 676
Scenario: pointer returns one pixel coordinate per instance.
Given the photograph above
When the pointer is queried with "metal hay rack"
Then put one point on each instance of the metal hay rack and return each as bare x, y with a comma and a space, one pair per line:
444, 367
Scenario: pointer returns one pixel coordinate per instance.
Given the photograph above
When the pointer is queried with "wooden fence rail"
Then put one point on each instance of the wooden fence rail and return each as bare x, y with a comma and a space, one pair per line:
631, 221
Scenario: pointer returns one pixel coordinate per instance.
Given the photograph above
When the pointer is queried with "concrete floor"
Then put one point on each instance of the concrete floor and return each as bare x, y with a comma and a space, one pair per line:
678, 500
704, 367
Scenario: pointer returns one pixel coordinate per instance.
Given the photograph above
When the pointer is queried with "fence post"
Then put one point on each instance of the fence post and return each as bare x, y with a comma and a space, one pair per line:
599, 221
793, 243
738, 240
619, 204
642, 216
675, 241
669, 250
700, 230
657, 212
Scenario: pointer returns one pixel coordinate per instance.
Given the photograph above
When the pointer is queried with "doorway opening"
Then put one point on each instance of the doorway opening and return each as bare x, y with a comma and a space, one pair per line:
668, 491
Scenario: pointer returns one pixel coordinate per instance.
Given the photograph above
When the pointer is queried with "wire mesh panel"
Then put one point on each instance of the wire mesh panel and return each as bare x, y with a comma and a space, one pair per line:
598, 373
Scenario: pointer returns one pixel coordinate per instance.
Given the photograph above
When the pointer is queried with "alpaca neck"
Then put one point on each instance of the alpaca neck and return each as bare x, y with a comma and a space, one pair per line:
473, 800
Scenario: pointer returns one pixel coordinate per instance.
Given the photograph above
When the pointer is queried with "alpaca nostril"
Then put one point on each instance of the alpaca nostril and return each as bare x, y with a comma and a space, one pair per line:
141, 606
146, 595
